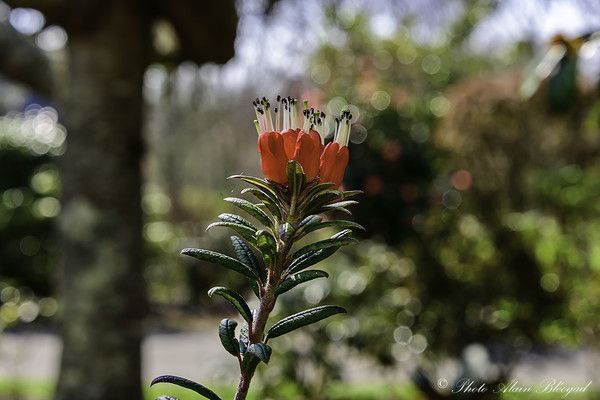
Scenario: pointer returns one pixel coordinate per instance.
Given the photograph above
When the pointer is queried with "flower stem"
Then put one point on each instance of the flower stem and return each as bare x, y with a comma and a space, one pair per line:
243, 386
257, 332
267, 302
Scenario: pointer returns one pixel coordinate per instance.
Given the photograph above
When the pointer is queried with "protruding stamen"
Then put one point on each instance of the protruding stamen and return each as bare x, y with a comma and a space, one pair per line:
257, 126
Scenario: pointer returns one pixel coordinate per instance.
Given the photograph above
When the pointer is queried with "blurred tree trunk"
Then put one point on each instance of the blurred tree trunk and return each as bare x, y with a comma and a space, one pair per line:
102, 282
22, 61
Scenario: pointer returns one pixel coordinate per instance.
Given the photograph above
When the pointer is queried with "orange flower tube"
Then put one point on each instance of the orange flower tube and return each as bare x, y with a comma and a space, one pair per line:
335, 156
281, 139
334, 161
273, 160
290, 136
308, 153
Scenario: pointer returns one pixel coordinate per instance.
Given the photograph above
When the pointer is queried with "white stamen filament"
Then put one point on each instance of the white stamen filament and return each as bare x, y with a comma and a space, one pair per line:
285, 116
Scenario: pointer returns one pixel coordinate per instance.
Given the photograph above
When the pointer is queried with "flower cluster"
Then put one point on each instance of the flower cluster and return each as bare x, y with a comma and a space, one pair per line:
273, 249
282, 139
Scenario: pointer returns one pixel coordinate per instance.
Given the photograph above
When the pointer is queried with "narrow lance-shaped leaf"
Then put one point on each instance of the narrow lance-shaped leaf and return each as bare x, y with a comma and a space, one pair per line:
286, 231
337, 223
340, 204
351, 193
315, 204
236, 219
251, 209
301, 277
227, 336
267, 245
310, 220
324, 244
303, 318
271, 203
261, 184
187, 384
243, 338
246, 256
295, 177
311, 191
222, 259
242, 230
235, 299
261, 350
311, 258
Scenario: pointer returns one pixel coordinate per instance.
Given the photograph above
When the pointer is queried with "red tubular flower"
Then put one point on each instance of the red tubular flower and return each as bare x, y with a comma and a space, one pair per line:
290, 136
308, 153
281, 139
334, 161
273, 160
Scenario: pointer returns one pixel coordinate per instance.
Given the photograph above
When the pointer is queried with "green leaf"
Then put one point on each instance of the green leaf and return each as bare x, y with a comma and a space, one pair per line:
303, 318
313, 205
296, 279
351, 193
295, 176
267, 245
310, 220
227, 336
221, 259
251, 209
337, 223
311, 258
264, 186
187, 384
344, 233
249, 362
286, 231
242, 230
243, 338
261, 350
236, 219
340, 204
310, 191
235, 299
271, 203
246, 256
324, 244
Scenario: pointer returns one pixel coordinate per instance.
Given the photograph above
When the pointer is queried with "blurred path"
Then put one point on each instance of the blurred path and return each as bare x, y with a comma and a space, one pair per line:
198, 355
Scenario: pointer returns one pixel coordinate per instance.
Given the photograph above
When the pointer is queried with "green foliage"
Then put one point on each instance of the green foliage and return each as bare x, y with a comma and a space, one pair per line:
293, 212
186, 383
235, 299
303, 318
296, 279
222, 259
227, 336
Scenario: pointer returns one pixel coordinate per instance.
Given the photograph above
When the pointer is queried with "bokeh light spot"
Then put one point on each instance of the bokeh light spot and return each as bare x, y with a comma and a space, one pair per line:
461, 180
380, 100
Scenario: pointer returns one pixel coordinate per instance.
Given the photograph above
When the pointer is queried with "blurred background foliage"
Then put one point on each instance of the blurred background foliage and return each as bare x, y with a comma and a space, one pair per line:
481, 204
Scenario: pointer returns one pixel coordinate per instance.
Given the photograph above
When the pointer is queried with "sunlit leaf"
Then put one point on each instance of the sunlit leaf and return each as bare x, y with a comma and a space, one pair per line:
251, 209
324, 244
227, 336
303, 318
246, 256
187, 384
235, 299
221, 259
242, 230
301, 277
261, 350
